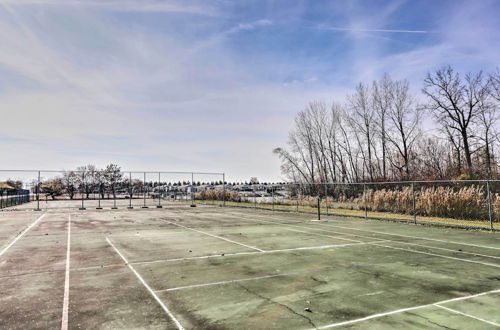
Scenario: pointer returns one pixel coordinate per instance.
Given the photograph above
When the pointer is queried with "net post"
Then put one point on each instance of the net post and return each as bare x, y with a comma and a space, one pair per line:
38, 193
414, 204
113, 188
298, 187
254, 197
365, 201
319, 206
192, 193
130, 191
144, 191
223, 189
159, 191
490, 215
326, 197
272, 195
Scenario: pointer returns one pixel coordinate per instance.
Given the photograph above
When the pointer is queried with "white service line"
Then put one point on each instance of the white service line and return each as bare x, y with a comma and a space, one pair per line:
64, 322
416, 237
387, 240
416, 251
468, 315
21, 235
251, 253
165, 308
402, 310
400, 242
385, 233
226, 282
222, 238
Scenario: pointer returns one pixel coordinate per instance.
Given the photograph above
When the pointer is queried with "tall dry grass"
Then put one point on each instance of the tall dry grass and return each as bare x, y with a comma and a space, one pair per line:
218, 195
463, 203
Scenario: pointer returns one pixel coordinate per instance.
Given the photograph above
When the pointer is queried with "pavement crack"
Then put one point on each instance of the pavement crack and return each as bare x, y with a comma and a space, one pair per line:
429, 320
280, 304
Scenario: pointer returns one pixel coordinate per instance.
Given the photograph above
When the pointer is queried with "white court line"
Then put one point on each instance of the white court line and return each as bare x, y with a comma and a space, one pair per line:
222, 238
402, 310
251, 253
400, 242
407, 243
385, 233
420, 252
417, 237
226, 282
468, 315
21, 235
64, 322
177, 323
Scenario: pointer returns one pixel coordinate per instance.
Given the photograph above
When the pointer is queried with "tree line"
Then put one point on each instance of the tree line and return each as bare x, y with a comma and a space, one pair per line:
377, 133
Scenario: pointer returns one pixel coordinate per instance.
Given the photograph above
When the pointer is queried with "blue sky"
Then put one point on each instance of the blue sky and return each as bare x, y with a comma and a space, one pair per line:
208, 85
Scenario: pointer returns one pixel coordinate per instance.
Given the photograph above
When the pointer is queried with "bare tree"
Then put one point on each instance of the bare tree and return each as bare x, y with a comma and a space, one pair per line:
382, 99
404, 120
494, 82
455, 103
362, 119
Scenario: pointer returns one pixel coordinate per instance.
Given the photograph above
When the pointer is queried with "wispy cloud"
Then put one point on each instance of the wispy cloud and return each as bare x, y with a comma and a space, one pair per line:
81, 82
157, 6
348, 29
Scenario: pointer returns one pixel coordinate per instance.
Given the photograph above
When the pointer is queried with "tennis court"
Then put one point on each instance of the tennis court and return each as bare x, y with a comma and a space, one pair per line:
211, 267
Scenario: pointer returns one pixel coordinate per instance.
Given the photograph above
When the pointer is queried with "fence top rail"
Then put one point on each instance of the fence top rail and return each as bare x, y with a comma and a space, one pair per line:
123, 171
393, 182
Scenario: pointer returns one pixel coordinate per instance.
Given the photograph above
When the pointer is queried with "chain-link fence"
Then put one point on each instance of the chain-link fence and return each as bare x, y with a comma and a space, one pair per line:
112, 188
470, 204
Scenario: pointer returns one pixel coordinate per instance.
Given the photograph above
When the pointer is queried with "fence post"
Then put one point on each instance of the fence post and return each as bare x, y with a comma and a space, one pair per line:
414, 205
365, 201
99, 200
223, 189
83, 180
489, 204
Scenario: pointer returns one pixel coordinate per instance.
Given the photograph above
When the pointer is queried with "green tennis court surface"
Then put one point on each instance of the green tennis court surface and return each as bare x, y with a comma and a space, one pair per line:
230, 268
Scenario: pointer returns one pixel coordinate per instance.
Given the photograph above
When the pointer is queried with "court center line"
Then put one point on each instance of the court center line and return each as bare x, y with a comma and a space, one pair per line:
222, 238
21, 235
165, 308
402, 310
64, 322
468, 315
400, 242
